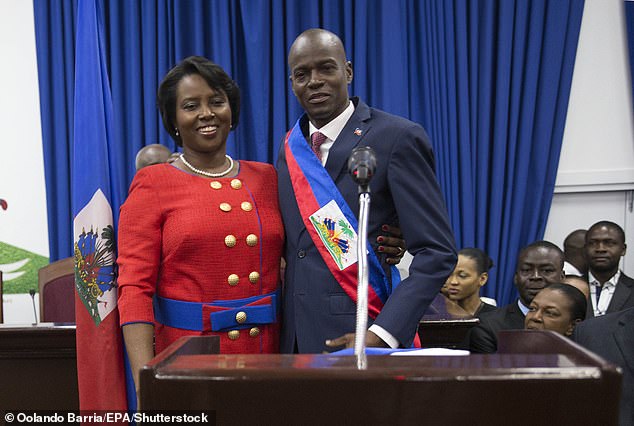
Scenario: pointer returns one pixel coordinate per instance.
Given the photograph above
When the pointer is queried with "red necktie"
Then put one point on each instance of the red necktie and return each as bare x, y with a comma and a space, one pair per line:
317, 139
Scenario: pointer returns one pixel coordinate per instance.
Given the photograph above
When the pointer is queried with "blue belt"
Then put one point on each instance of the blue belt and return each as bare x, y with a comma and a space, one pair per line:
227, 314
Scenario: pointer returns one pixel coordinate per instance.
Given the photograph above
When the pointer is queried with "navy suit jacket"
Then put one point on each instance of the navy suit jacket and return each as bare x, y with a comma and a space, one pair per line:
611, 336
623, 297
483, 338
404, 193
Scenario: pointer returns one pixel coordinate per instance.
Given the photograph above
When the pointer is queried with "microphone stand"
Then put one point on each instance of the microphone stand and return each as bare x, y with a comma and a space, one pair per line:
361, 165
32, 293
362, 277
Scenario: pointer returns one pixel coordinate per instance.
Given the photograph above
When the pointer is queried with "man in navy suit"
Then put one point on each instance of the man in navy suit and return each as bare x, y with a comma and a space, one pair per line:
538, 265
319, 304
612, 337
610, 289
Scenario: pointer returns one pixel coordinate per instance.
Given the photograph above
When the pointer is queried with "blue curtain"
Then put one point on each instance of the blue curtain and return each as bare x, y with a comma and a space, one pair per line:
494, 85
55, 42
489, 80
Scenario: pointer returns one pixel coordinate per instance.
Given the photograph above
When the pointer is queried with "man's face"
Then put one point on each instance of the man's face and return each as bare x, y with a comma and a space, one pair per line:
604, 248
320, 76
537, 268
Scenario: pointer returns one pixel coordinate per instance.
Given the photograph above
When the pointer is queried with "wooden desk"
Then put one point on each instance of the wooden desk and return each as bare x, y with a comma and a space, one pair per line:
38, 367
559, 386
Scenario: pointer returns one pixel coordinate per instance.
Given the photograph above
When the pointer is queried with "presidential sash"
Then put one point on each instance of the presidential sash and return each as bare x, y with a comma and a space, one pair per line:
331, 223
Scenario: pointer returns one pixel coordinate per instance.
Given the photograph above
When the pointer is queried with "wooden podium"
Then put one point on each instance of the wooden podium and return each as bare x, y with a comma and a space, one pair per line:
38, 367
536, 378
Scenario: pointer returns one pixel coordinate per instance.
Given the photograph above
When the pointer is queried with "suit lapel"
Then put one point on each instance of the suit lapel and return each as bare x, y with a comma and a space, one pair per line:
624, 336
303, 126
353, 132
590, 310
516, 317
621, 294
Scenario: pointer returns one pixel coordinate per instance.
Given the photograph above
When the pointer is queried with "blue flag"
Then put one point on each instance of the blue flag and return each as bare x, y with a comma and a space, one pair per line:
100, 358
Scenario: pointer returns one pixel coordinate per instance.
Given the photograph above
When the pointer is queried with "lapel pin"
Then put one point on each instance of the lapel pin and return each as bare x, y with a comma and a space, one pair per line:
357, 131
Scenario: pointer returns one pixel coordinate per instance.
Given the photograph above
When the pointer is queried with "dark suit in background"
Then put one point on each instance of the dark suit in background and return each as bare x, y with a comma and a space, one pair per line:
623, 297
611, 336
405, 193
483, 337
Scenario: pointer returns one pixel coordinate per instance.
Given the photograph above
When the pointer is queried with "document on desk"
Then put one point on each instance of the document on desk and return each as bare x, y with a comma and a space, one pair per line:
432, 352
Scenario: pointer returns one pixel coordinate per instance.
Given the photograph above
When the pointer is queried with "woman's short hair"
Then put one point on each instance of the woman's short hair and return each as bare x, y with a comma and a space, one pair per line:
482, 260
577, 300
215, 77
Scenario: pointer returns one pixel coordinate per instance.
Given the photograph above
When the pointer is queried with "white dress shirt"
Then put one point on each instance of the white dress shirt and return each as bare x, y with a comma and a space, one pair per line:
570, 269
522, 307
607, 292
331, 131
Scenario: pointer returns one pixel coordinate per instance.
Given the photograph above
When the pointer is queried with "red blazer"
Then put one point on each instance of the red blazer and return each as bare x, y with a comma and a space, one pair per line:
175, 240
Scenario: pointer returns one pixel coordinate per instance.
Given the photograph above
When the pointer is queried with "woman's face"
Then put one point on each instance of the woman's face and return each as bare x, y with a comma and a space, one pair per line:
550, 310
203, 115
465, 279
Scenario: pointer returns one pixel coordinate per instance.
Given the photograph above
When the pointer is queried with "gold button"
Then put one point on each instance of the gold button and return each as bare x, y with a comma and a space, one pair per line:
246, 206
241, 317
236, 184
225, 207
215, 184
230, 240
233, 279
252, 240
254, 277
233, 334
254, 332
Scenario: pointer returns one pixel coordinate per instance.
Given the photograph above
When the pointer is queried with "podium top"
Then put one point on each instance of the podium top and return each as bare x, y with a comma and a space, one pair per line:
315, 389
527, 354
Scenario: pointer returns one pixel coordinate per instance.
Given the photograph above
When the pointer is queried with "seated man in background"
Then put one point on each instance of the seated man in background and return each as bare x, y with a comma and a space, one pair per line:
559, 307
612, 337
610, 289
538, 265
579, 283
152, 154
574, 254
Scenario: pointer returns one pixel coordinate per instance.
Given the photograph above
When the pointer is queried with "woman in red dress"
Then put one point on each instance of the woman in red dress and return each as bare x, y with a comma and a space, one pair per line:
200, 239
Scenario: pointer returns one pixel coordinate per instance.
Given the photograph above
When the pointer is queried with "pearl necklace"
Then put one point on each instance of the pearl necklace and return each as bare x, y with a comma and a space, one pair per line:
209, 174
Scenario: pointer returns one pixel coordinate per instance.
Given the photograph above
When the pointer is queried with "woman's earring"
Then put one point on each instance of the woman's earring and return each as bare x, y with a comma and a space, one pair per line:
177, 134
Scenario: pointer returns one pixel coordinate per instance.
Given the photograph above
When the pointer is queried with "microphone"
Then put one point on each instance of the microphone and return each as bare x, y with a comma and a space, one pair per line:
32, 293
361, 165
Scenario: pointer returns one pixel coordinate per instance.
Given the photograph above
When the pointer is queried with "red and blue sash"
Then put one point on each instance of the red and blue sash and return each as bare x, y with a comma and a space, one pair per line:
314, 188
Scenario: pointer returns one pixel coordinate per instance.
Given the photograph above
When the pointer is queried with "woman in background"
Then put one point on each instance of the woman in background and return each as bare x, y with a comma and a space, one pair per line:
469, 275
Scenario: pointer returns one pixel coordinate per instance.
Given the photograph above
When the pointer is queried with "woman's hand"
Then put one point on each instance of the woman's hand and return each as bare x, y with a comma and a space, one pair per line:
392, 244
139, 343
